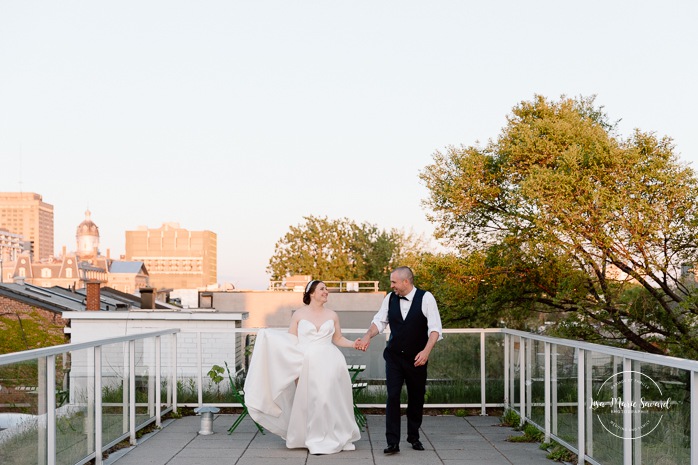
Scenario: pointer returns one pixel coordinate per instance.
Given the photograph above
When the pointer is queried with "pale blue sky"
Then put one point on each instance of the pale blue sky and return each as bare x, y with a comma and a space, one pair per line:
243, 117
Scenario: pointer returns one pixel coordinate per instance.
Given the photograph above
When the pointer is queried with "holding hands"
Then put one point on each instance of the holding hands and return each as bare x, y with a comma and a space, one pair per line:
362, 343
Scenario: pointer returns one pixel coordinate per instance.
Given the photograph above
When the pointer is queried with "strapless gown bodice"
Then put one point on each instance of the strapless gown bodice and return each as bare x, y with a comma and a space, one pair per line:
298, 387
308, 333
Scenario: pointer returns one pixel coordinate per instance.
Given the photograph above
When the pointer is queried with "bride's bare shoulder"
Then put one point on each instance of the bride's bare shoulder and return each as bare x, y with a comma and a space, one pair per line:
299, 312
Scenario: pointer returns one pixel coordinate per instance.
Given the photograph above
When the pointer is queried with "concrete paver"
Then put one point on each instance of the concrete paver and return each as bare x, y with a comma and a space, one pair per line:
448, 440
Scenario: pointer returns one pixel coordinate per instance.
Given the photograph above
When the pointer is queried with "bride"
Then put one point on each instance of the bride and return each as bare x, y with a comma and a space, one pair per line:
297, 384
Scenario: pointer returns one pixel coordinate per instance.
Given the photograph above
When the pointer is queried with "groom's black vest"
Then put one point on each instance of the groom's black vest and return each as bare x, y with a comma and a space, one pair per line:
409, 336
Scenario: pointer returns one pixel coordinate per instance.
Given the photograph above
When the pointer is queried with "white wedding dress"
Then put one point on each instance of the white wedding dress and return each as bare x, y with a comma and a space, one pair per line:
317, 412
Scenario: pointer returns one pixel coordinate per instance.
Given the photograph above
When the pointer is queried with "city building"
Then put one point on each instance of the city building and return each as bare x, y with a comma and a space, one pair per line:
27, 214
73, 269
11, 246
175, 257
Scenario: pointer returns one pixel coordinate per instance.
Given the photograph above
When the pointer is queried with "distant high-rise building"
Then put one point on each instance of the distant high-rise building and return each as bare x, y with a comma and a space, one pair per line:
11, 245
71, 270
175, 257
27, 214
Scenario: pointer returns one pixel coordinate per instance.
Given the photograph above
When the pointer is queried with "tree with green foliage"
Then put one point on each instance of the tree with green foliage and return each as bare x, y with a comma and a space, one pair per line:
455, 282
577, 221
339, 249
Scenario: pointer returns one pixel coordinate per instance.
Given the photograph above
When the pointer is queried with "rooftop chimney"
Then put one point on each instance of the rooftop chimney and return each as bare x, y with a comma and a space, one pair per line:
93, 296
147, 298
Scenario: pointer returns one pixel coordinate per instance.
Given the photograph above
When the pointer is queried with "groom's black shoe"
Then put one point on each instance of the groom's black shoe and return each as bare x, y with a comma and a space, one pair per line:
391, 449
417, 445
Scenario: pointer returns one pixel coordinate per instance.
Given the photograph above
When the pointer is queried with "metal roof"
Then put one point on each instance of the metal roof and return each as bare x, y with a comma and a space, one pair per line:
126, 267
41, 298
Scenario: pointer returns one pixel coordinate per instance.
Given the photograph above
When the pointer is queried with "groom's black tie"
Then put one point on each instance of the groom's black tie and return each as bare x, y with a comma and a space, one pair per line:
402, 297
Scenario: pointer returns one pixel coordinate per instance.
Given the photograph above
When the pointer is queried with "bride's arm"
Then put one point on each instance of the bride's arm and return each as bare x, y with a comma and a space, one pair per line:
338, 339
293, 327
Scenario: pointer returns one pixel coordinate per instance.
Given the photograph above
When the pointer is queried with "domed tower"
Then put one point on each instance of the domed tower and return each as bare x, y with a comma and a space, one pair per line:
88, 238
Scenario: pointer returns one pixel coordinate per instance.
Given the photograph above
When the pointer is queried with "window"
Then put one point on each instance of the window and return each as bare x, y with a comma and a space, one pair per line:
68, 272
45, 272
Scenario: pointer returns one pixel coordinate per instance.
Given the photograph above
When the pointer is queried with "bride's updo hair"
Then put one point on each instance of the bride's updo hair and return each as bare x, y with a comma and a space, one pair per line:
309, 289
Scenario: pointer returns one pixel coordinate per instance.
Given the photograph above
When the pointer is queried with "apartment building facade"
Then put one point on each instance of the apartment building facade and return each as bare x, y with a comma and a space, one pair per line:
26, 213
175, 258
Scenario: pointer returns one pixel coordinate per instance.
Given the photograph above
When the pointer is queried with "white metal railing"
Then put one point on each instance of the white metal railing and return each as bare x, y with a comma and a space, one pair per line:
68, 416
655, 419
551, 382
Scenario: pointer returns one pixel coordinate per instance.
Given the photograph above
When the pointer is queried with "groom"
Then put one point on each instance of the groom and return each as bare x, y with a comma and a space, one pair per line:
415, 326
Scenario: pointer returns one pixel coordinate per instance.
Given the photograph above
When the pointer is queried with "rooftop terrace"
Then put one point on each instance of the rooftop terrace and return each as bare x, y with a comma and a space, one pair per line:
80, 399
449, 440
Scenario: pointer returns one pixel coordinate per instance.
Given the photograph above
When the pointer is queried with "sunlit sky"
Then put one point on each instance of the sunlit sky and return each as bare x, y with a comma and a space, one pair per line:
242, 117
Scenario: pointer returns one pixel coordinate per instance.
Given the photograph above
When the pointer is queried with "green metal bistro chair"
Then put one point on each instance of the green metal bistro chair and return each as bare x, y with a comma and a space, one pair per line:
354, 371
238, 391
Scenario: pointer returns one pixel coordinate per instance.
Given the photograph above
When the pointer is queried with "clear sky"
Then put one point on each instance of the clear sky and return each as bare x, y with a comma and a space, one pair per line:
242, 117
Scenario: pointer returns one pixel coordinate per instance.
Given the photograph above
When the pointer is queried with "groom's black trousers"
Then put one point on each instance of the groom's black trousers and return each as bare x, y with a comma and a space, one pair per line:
399, 370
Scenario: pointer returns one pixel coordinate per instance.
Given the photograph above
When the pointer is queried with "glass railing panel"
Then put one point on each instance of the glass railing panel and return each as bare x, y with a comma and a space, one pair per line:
166, 370
604, 382
115, 391
564, 392
23, 413
515, 372
145, 380
537, 386
454, 371
187, 375
664, 418
494, 367
75, 406
219, 349
238, 364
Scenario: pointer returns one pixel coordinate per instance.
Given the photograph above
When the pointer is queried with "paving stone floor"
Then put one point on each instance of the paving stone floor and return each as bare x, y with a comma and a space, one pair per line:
448, 440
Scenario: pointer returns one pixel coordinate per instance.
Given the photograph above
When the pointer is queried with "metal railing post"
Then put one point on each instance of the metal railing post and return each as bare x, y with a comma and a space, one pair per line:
554, 387
42, 394
522, 379
637, 415
581, 402
694, 416
158, 388
51, 409
125, 388
199, 365
506, 371
173, 361
627, 414
483, 376
529, 378
589, 433
90, 420
98, 404
512, 371
132, 391
547, 390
